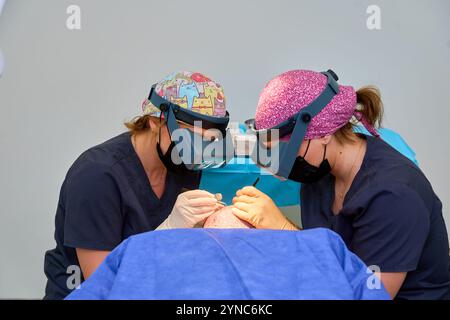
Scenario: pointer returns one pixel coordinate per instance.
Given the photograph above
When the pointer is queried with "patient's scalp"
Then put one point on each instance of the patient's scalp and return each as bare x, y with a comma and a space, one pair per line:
225, 219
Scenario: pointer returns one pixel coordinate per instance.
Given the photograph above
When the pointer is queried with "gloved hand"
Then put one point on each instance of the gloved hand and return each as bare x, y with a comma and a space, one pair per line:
191, 207
258, 209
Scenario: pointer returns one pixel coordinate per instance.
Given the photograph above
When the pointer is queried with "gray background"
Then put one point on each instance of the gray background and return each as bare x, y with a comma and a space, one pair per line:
64, 91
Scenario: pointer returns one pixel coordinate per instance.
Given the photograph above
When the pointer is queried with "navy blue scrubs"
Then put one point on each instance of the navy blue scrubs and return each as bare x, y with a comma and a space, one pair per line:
105, 198
390, 218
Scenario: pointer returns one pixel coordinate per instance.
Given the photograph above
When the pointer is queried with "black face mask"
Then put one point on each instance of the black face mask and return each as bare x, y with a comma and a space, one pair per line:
304, 172
167, 160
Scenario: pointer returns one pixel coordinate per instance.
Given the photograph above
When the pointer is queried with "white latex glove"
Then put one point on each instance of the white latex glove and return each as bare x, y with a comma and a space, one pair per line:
192, 207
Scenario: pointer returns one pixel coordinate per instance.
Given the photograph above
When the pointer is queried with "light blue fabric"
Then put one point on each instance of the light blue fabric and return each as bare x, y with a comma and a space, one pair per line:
231, 264
241, 172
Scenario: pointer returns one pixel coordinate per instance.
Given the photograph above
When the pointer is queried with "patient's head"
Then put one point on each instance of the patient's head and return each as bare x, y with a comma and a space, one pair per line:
225, 219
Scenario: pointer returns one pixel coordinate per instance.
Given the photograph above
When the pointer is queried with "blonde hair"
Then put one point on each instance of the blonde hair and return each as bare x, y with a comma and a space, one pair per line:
141, 123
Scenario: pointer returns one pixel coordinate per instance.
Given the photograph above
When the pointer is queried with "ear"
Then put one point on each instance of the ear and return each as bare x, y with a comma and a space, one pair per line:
153, 124
325, 140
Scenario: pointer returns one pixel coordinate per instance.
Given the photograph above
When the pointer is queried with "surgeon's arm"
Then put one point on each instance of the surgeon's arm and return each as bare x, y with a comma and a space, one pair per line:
90, 260
392, 281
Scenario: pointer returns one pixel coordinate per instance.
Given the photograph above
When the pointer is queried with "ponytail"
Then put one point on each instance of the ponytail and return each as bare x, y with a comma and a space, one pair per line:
370, 106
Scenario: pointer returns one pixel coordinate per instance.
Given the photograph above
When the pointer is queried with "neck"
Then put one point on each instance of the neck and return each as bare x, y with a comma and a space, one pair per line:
145, 147
348, 159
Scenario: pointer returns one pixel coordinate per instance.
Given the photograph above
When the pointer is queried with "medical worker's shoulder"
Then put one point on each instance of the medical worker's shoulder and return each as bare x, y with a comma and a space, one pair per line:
386, 163
103, 156
95, 165
389, 172
109, 152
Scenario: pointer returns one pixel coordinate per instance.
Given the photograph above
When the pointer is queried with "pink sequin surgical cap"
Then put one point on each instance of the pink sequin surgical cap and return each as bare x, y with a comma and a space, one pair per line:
288, 93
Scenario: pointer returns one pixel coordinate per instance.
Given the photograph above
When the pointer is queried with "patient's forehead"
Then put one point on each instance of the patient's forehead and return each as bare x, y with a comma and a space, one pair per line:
225, 219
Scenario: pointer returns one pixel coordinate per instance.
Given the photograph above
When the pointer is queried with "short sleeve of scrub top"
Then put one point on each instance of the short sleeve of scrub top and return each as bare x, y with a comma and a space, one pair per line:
93, 211
392, 231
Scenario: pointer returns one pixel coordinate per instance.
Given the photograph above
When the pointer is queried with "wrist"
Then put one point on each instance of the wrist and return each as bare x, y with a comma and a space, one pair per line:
289, 225
176, 221
164, 225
